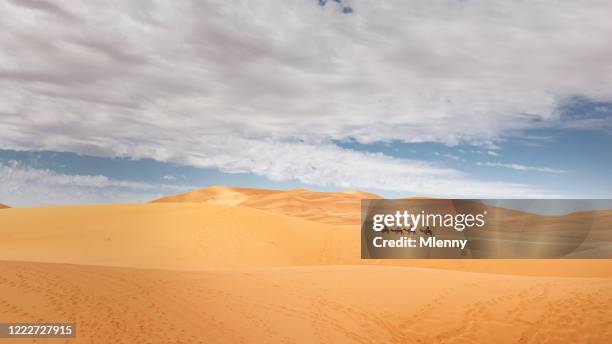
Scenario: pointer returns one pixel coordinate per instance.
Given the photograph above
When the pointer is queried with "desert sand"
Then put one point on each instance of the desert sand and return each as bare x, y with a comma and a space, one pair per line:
3, 206
325, 207
324, 304
233, 265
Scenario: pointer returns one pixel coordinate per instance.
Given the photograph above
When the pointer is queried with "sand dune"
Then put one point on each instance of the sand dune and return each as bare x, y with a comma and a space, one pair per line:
165, 235
199, 236
244, 265
326, 207
2, 206
328, 304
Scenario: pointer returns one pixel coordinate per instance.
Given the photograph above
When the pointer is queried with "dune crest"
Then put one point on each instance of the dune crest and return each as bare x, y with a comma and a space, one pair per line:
3, 206
326, 207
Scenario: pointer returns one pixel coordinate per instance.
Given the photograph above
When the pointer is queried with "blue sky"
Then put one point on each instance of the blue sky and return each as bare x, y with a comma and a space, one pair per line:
126, 102
566, 163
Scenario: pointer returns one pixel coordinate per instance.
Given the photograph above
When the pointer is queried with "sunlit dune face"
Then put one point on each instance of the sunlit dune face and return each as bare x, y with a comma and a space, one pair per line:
338, 208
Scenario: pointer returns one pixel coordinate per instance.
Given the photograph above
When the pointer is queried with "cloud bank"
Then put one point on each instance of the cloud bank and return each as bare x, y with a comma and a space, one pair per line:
23, 185
266, 87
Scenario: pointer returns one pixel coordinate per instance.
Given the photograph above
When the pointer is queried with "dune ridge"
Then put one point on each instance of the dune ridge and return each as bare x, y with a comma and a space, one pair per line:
3, 206
326, 207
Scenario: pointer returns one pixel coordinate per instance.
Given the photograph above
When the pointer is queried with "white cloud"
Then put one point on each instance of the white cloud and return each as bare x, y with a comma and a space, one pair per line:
520, 167
166, 80
168, 177
449, 156
330, 165
492, 153
26, 186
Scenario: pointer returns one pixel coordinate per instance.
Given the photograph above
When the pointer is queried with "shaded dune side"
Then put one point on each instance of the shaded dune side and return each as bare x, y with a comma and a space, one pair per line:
3, 206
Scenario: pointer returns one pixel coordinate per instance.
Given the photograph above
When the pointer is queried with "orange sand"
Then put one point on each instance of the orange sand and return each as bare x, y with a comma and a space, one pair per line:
244, 265
327, 304
326, 207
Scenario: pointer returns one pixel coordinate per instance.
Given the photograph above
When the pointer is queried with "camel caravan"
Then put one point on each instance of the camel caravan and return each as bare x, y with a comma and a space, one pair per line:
399, 230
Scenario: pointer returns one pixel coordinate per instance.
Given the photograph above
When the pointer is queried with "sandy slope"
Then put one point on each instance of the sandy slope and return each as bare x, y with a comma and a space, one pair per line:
331, 304
195, 236
174, 236
2, 206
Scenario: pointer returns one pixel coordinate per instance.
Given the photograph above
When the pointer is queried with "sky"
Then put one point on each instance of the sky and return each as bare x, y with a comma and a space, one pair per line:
127, 101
